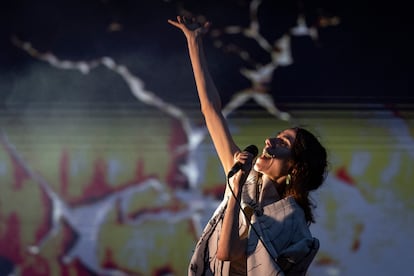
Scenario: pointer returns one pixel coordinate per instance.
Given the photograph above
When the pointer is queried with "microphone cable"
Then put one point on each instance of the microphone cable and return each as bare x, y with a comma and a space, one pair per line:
250, 224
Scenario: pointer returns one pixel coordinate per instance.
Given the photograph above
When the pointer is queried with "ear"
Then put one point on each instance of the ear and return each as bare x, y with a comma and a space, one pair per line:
291, 164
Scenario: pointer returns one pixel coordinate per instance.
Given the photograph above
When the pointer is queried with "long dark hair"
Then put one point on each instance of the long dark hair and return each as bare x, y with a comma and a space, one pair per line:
308, 172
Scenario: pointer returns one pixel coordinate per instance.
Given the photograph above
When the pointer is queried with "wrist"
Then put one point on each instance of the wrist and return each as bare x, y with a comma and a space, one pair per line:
193, 40
236, 186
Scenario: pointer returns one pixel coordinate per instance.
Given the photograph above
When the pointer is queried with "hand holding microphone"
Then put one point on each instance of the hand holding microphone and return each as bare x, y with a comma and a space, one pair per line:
252, 149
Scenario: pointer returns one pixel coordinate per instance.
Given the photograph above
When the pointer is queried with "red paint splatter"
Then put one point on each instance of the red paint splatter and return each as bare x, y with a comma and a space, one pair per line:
109, 263
178, 139
19, 172
163, 271
69, 237
154, 210
98, 185
394, 110
74, 268
10, 241
342, 174
35, 265
192, 230
356, 244
217, 191
326, 261
45, 224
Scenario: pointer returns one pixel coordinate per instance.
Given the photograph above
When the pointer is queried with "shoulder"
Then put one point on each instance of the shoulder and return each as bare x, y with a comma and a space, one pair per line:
289, 203
285, 208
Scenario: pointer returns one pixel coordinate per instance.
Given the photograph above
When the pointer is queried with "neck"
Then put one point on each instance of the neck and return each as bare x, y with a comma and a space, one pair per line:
269, 193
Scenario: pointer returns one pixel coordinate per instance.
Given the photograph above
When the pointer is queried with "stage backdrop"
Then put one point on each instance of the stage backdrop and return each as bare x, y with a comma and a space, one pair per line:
100, 192
106, 167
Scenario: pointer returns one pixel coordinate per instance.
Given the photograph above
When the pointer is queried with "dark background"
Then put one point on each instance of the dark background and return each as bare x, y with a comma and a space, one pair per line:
365, 59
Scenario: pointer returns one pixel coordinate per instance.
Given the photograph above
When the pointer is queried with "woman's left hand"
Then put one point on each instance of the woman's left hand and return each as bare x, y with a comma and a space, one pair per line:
190, 27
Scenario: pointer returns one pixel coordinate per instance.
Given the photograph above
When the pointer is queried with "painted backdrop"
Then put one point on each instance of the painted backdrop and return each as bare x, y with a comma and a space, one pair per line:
98, 192
106, 167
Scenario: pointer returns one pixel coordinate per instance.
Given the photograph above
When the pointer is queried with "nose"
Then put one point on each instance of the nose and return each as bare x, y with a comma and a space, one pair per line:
268, 142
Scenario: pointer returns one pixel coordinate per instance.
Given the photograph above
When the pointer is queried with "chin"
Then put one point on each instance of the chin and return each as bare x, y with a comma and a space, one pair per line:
257, 168
262, 165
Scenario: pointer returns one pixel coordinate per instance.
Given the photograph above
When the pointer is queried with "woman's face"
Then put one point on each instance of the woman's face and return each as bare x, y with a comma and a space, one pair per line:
275, 159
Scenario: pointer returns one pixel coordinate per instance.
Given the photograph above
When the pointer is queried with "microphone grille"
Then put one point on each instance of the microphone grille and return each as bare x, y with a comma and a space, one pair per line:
252, 149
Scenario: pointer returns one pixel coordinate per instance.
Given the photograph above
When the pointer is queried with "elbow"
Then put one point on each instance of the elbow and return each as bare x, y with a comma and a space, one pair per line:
207, 109
222, 256
225, 255
223, 252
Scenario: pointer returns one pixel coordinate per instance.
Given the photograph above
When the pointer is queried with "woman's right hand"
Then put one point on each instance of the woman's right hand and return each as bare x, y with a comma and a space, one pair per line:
246, 159
190, 27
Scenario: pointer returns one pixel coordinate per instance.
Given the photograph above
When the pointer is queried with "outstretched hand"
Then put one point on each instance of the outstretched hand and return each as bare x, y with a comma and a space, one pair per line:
190, 27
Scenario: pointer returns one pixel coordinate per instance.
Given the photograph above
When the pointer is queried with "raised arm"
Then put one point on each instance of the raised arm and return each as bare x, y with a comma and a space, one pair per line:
231, 244
207, 91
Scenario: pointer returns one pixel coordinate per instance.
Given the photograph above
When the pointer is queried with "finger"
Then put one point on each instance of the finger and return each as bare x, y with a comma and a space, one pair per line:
172, 22
184, 19
236, 156
242, 157
206, 27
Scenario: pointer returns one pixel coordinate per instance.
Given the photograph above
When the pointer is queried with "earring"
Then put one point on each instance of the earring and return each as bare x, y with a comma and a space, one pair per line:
288, 178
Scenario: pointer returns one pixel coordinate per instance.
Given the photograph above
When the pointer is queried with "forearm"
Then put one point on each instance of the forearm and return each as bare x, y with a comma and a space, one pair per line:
231, 244
207, 91
211, 104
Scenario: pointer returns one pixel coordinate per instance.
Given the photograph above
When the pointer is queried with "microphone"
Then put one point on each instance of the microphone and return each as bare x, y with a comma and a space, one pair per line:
236, 167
